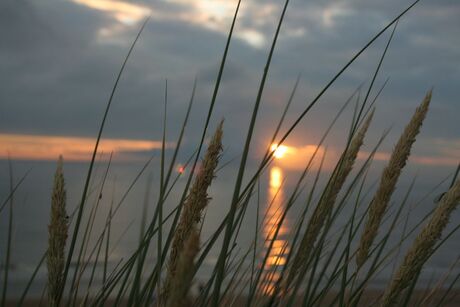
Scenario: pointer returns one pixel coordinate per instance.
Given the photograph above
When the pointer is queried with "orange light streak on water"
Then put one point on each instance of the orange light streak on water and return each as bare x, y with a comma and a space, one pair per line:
274, 210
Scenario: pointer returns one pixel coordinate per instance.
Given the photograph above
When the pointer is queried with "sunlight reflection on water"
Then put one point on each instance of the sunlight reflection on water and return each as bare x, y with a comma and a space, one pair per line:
273, 214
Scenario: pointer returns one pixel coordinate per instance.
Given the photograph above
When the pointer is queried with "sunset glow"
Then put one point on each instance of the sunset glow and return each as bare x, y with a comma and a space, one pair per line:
210, 14
124, 12
296, 157
279, 151
47, 147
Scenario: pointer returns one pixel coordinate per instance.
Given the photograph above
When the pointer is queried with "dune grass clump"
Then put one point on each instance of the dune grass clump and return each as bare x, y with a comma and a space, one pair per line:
327, 200
57, 236
423, 246
307, 263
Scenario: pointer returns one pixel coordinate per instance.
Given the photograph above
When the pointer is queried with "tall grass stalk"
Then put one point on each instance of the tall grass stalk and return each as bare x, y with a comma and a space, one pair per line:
381, 258
423, 246
327, 201
291, 201
389, 179
79, 271
155, 274
181, 282
313, 261
195, 204
57, 236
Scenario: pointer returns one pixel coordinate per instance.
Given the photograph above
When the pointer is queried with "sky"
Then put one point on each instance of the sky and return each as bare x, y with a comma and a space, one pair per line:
59, 60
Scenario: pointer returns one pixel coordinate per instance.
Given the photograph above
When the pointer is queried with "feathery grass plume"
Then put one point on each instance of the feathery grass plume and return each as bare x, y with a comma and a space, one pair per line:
180, 285
57, 236
389, 179
193, 207
327, 201
423, 246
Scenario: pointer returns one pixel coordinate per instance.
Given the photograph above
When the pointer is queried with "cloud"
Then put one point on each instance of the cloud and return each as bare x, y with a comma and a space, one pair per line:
124, 12
48, 148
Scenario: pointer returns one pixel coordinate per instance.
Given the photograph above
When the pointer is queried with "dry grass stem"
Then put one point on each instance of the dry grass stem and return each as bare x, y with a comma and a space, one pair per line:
193, 207
58, 232
181, 283
422, 248
389, 179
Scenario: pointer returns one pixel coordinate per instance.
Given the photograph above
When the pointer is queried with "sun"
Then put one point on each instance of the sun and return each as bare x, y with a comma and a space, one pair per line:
279, 151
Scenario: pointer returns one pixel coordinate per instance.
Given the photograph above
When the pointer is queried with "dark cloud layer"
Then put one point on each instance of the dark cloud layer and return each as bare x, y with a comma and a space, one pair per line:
57, 67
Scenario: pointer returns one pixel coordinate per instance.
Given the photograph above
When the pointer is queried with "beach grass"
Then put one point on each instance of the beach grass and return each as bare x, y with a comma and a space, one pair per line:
324, 261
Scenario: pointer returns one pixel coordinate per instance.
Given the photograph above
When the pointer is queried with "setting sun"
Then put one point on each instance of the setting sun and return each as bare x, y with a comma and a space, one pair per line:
279, 151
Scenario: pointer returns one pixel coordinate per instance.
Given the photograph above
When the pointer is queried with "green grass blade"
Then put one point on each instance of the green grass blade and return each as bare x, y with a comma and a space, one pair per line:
12, 191
31, 280
10, 234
